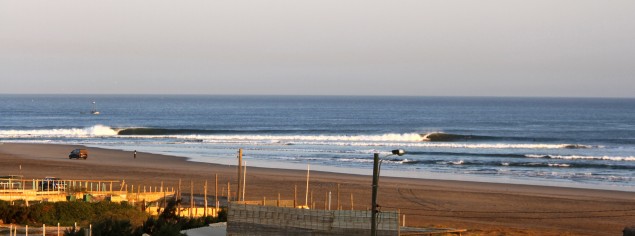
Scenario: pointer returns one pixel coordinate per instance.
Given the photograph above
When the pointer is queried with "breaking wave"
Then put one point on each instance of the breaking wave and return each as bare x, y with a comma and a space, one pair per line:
445, 137
93, 131
282, 137
577, 157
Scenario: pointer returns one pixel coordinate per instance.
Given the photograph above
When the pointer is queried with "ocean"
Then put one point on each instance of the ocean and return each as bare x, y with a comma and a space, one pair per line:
572, 142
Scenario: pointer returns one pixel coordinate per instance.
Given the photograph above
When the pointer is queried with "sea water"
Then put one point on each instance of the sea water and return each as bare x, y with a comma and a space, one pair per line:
575, 142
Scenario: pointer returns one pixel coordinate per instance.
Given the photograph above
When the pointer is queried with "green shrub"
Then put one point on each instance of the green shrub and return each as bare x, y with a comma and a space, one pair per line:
70, 212
44, 213
112, 227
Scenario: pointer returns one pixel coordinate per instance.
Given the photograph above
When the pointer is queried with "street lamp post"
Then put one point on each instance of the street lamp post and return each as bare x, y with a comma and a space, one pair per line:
376, 166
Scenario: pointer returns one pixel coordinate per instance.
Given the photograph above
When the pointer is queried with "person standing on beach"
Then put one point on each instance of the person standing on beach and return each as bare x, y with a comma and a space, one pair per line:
135, 154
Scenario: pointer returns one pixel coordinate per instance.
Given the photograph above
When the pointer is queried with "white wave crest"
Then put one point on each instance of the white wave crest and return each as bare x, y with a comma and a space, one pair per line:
93, 131
558, 165
577, 157
391, 137
395, 140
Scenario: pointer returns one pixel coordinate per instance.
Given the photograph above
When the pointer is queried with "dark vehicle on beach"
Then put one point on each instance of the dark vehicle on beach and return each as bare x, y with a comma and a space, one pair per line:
78, 153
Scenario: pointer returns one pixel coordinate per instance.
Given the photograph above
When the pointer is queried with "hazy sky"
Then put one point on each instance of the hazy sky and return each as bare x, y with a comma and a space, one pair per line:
323, 47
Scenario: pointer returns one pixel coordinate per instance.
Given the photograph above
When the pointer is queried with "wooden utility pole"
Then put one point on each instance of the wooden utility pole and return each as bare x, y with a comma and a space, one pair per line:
229, 193
306, 196
240, 175
216, 203
244, 180
205, 196
373, 207
192, 198
178, 198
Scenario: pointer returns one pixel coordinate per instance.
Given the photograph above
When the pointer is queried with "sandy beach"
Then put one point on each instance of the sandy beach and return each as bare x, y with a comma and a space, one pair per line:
482, 208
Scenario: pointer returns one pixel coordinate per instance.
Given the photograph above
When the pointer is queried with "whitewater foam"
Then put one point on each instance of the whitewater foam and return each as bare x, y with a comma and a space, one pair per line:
577, 157
93, 131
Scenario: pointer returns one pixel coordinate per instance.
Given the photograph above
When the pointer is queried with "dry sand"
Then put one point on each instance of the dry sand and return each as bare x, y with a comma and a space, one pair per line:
482, 208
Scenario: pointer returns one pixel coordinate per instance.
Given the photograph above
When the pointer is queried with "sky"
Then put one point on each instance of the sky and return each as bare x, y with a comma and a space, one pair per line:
553, 48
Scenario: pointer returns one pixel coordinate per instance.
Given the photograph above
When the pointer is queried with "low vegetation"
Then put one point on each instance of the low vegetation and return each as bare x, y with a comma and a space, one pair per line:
106, 218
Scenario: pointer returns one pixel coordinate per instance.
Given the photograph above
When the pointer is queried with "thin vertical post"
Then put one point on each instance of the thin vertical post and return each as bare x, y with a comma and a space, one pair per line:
58, 229
403, 222
240, 169
205, 196
295, 196
244, 180
352, 205
229, 195
216, 193
178, 197
306, 196
43, 229
192, 198
373, 220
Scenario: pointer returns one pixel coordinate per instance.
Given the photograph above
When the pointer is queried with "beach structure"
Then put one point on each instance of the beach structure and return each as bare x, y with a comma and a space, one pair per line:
279, 217
51, 189
287, 217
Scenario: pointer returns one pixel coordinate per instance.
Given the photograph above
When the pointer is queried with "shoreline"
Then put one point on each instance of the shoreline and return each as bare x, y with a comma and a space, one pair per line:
483, 208
386, 173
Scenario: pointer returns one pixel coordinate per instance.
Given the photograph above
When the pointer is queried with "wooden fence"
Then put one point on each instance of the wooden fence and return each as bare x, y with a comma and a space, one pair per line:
243, 219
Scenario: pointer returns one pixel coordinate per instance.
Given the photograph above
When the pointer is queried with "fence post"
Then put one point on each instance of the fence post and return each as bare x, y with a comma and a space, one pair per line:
58, 229
404, 220
352, 208
43, 229
205, 196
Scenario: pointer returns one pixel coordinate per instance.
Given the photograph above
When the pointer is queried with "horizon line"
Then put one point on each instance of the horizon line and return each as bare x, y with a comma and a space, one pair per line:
313, 95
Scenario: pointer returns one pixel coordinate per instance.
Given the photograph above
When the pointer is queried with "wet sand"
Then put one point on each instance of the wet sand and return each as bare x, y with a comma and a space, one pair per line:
482, 208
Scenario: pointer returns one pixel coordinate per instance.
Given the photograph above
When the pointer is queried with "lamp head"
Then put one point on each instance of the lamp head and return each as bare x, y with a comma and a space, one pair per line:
398, 152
